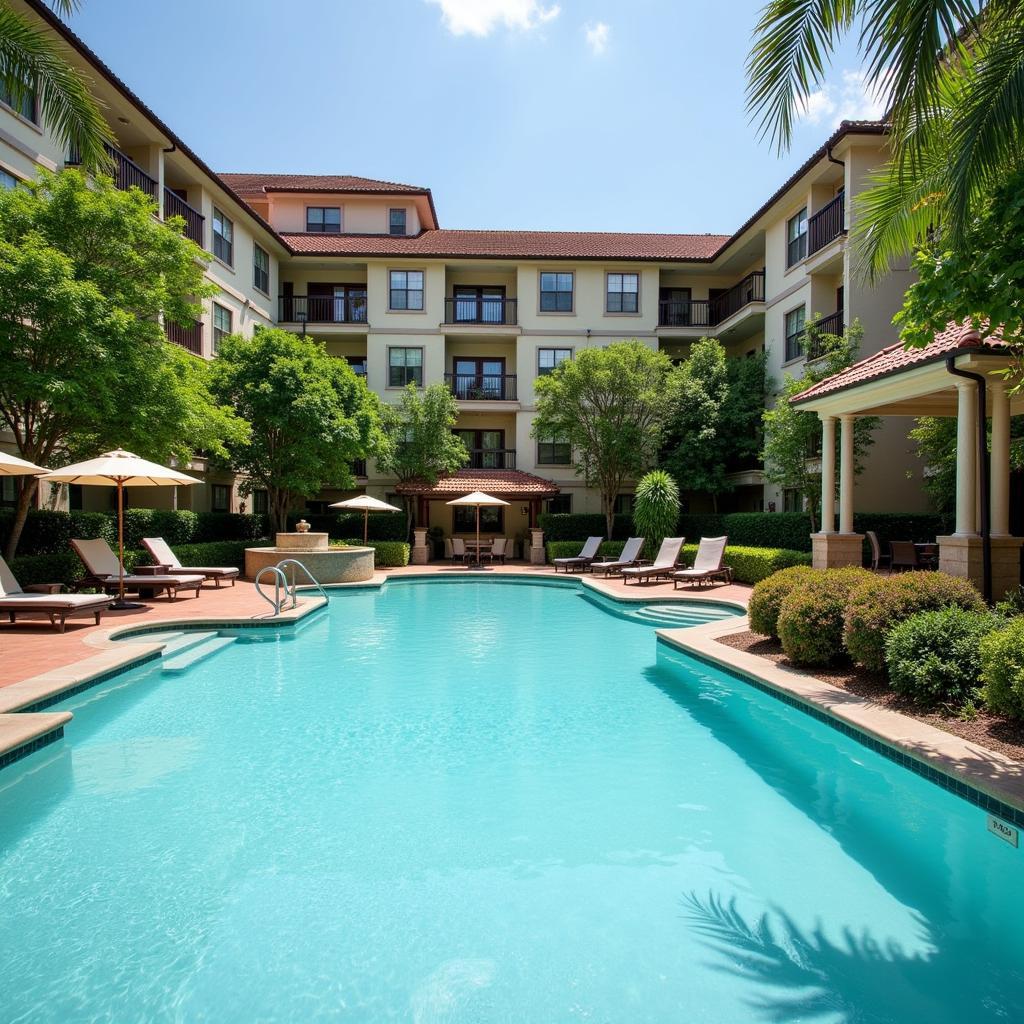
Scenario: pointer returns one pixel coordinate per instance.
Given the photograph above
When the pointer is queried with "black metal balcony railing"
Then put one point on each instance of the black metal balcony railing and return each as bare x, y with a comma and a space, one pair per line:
826, 225
482, 387
491, 458
323, 309
190, 338
831, 324
711, 312
487, 309
359, 467
175, 206
125, 171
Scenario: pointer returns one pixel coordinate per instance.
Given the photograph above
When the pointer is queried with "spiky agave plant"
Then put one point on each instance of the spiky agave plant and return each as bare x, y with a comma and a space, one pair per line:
656, 507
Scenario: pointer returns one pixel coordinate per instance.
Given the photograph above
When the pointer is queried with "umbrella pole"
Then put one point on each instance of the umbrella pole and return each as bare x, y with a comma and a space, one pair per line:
479, 564
120, 540
366, 525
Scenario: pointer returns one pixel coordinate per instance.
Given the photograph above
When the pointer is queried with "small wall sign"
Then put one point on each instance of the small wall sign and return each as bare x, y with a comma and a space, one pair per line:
999, 828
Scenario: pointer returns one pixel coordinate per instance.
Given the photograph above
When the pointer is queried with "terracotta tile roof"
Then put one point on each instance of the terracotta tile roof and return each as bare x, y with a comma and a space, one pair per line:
956, 338
259, 184
605, 245
503, 483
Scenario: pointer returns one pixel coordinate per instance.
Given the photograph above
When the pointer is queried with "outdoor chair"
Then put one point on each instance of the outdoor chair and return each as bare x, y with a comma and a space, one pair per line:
161, 553
583, 559
629, 557
878, 559
498, 548
708, 565
47, 599
903, 555
662, 567
458, 550
103, 572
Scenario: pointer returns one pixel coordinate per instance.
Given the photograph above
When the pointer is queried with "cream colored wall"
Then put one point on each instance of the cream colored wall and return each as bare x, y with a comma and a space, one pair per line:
459, 346
481, 276
427, 319
360, 216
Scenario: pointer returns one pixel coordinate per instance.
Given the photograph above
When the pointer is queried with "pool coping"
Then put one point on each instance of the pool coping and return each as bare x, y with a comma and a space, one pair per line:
984, 777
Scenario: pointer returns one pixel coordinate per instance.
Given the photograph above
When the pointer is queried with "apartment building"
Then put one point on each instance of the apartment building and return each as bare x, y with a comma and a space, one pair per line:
366, 267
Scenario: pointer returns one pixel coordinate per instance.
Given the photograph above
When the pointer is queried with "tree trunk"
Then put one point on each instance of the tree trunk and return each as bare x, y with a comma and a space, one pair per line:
278, 502
25, 496
608, 500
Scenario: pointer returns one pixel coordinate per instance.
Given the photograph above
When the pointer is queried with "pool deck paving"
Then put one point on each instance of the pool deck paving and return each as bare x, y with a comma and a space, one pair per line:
37, 663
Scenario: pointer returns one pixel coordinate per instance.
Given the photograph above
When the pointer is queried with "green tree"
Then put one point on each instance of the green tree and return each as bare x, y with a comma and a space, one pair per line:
421, 444
86, 272
310, 416
951, 75
792, 437
611, 404
656, 508
31, 62
716, 423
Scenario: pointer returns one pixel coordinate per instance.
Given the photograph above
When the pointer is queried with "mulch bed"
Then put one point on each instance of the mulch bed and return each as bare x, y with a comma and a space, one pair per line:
1005, 735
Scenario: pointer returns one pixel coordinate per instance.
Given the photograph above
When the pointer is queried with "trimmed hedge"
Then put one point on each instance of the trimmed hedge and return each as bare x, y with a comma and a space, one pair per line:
767, 597
48, 532
388, 554
811, 615
224, 553
339, 525
570, 526
215, 526
176, 526
1002, 668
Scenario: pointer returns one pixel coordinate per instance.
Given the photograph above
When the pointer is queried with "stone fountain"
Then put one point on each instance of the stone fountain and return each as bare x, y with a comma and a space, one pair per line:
327, 564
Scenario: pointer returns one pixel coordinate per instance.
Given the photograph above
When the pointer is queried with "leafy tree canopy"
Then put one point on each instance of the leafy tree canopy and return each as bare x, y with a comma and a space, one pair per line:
419, 442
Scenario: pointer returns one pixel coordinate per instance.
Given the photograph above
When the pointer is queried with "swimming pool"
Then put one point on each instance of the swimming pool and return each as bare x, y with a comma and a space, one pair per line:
474, 802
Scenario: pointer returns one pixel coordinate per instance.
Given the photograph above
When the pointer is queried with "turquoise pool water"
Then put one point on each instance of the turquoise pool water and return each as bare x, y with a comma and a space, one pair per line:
472, 802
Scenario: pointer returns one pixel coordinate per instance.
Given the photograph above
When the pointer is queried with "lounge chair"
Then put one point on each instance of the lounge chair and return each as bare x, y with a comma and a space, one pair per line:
583, 559
103, 571
162, 554
629, 557
709, 564
458, 550
46, 599
662, 567
497, 552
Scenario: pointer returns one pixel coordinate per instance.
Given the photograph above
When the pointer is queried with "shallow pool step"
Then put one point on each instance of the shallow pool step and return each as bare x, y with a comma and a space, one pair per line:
672, 615
153, 638
197, 652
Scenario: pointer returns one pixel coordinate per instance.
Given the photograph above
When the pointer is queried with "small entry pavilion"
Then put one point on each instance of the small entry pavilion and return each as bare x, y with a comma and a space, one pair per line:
957, 375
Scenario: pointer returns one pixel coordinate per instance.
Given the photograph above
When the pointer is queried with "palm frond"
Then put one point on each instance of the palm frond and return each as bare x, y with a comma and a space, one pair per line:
30, 59
793, 43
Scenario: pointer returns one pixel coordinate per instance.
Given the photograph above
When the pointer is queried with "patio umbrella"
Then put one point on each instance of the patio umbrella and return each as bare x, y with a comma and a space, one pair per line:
11, 465
368, 505
125, 470
478, 498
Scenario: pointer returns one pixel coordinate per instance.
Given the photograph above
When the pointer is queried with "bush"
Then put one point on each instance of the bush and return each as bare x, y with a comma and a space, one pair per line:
1002, 668
790, 530
219, 553
935, 657
388, 554
63, 567
697, 525
571, 526
212, 526
767, 597
47, 532
176, 526
810, 623
751, 565
1012, 603
882, 602
338, 525
571, 548
656, 508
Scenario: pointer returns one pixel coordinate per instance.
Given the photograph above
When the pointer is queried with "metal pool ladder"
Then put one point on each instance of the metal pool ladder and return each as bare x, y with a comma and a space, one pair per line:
276, 602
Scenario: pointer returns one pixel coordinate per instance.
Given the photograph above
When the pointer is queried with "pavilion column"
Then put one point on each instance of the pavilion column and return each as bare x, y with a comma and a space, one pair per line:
846, 475
966, 458
1000, 458
828, 474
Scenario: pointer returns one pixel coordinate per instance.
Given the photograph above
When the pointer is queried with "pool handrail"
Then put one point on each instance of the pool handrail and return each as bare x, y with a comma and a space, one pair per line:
295, 562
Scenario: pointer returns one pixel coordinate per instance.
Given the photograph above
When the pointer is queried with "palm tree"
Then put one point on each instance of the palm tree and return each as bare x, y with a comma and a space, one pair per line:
30, 61
951, 73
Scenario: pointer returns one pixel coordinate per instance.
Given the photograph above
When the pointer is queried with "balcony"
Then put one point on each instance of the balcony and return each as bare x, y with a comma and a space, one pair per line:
684, 313
322, 309
491, 458
490, 310
190, 338
711, 312
125, 171
175, 206
475, 387
832, 325
826, 225
359, 468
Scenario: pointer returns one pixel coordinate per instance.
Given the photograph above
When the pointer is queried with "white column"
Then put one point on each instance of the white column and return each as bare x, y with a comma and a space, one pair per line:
846, 468
828, 474
1000, 459
966, 458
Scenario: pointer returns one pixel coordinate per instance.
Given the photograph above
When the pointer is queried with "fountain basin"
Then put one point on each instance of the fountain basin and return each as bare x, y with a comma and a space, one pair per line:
327, 564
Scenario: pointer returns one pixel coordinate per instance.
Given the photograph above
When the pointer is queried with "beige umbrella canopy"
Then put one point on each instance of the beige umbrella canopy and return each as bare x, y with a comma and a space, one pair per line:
125, 470
11, 465
479, 499
367, 504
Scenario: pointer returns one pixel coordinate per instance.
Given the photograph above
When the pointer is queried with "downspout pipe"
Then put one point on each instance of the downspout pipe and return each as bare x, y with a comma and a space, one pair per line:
985, 473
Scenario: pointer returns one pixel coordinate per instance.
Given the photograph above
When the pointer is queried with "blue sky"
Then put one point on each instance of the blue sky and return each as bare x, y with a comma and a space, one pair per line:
517, 113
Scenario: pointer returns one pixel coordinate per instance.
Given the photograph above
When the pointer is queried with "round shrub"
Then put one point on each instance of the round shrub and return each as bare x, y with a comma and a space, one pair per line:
1002, 668
882, 602
767, 596
811, 615
935, 657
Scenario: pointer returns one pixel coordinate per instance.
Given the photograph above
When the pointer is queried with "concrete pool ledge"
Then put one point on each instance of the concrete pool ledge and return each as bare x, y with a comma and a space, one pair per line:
21, 735
961, 765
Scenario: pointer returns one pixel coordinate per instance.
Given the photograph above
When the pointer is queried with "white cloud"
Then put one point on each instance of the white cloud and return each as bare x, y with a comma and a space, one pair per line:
480, 17
850, 99
597, 37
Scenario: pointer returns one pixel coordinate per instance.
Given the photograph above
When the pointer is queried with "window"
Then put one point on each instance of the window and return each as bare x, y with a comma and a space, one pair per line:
553, 451
324, 220
25, 104
550, 358
556, 293
406, 289
7, 180
796, 238
795, 333
791, 501
487, 449
559, 506
478, 305
223, 238
358, 364
623, 505
396, 222
405, 366
8, 490
492, 520
260, 502
220, 498
221, 324
261, 269
623, 293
